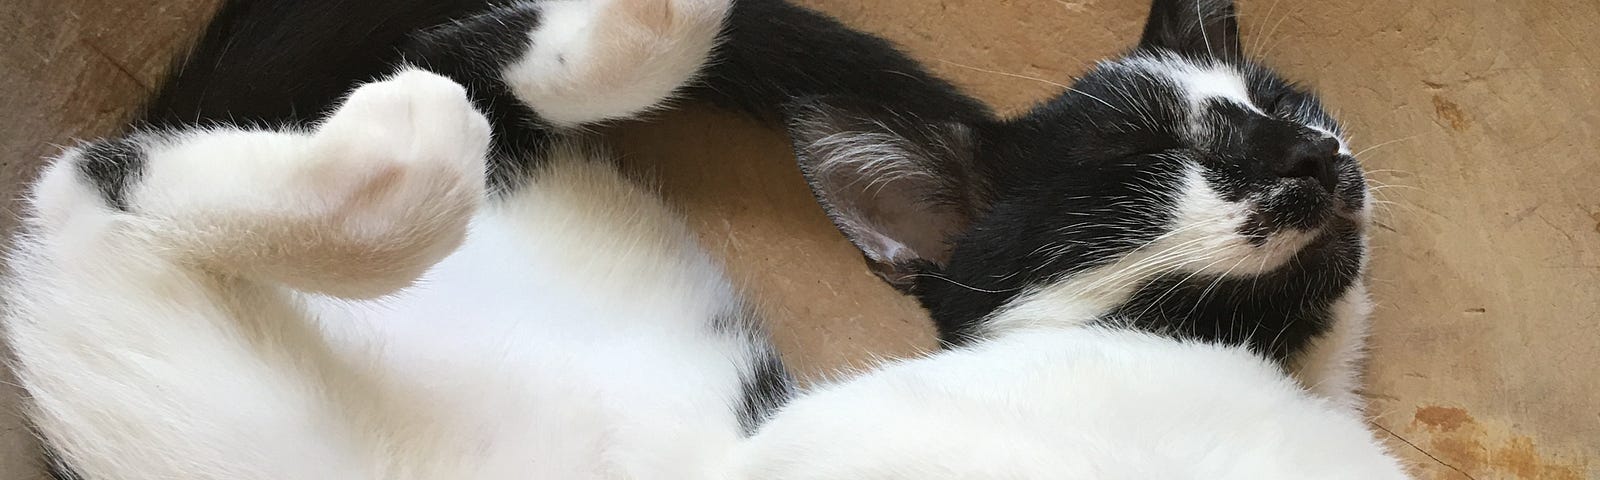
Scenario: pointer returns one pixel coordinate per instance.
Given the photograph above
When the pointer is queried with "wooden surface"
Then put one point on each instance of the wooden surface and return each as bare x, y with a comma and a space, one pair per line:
1481, 118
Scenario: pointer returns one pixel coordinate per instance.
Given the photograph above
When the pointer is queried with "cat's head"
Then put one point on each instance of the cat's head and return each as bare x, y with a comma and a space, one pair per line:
1182, 187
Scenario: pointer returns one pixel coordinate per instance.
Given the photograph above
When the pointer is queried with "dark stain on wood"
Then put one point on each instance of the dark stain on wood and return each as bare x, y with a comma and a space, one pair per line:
1442, 418
1451, 113
1454, 438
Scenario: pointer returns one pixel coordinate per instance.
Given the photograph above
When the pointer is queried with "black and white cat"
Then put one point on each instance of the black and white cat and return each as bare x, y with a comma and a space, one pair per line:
436, 281
1156, 274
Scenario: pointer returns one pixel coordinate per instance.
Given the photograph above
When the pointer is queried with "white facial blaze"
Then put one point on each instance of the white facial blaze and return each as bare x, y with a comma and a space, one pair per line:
1204, 84
1203, 238
1212, 84
1200, 83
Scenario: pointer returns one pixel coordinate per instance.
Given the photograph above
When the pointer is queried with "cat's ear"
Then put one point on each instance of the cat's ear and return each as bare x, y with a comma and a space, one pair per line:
899, 187
1196, 28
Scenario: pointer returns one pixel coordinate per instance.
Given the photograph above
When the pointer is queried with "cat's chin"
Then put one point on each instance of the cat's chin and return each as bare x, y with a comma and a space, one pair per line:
1340, 231
1299, 206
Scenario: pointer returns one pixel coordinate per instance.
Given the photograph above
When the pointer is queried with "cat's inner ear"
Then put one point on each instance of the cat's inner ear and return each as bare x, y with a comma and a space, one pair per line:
899, 187
1195, 28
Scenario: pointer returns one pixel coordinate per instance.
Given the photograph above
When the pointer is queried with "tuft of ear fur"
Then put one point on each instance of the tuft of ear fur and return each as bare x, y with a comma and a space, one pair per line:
898, 186
1207, 29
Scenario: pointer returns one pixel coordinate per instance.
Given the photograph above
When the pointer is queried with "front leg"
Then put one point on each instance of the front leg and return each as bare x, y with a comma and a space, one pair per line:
150, 306
380, 191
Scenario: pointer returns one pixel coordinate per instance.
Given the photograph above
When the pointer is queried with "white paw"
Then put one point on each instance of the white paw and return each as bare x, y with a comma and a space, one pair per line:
384, 189
599, 60
414, 117
399, 144
666, 16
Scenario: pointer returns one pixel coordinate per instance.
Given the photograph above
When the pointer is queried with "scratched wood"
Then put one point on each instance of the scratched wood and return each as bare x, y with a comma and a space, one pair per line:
1481, 116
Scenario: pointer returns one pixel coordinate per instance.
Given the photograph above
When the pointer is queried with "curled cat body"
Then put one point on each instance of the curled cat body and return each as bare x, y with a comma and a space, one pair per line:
391, 252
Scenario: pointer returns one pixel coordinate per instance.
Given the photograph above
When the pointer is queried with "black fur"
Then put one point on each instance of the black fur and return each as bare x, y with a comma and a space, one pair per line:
1201, 29
273, 62
1275, 314
775, 50
1092, 175
276, 62
767, 385
57, 468
766, 389
113, 166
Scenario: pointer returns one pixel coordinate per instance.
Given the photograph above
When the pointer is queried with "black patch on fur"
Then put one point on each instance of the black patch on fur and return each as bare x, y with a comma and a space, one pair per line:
767, 385
1091, 175
276, 62
290, 62
1071, 185
1088, 177
774, 51
57, 468
113, 166
1194, 28
270, 63
767, 388
473, 51
1046, 224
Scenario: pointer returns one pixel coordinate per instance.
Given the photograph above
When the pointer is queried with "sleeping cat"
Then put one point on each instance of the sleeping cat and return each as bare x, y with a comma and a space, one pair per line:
439, 279
1131, 278
1181, 189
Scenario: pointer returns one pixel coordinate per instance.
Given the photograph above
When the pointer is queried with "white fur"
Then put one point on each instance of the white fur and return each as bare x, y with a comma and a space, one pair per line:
1203, 84
1207, 82
1331, 365
1200, 82
1202, 239
1067, 403
160, 344
599, 60
522, 349
340, 304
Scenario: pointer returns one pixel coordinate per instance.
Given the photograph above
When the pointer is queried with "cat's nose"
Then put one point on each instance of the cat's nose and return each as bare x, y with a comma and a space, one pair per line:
1312, 159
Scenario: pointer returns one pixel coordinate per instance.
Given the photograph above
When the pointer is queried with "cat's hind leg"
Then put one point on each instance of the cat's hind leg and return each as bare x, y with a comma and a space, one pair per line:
150, 305
544, 69
598, 60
